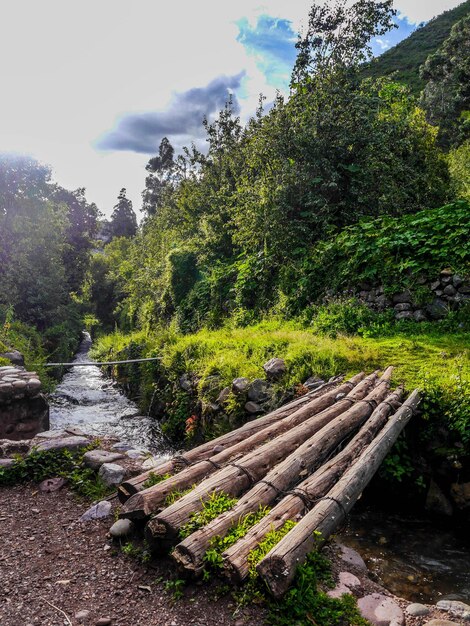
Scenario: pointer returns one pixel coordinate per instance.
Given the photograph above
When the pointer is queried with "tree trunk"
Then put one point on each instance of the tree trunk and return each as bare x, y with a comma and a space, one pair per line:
278, 567
210, 448
313, 488
238, 477
142, 504
308, 456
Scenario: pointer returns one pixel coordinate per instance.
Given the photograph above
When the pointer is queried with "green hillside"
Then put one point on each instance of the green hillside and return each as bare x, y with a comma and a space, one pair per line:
406, 57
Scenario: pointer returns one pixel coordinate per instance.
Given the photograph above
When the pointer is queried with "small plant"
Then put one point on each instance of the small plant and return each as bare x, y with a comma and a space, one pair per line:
217, 503
154, 479
176, 587
272, 538
140, 553
176, 494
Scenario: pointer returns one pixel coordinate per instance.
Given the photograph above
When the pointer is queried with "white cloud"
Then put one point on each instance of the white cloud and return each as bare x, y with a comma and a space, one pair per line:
423, 10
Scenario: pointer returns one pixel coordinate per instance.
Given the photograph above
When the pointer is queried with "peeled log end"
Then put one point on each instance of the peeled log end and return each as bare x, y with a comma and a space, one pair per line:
134, 508
183, 558
125, 491
276, 574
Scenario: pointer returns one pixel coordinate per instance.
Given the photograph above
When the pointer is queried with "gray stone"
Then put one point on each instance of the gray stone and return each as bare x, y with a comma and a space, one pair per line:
382, 302
96, 458
9, 447
439, 292
457, 280
122, 446
420, 316
223, 395
404, 315
435, 285
253, 408
104, 621
97, 511
436, 501
185, 383
275, 368
82, 616
404, 296
351, 557
51, 484
450, 290
6, 463
455, 608
112, 474
464, 287
66, 443
121, 528
257, 391
416, 609
136, 454
240, 385
338, 591
437, 309
349, 580
445, 280
381, 610
73, 430
52, 434
402, 306
14, 356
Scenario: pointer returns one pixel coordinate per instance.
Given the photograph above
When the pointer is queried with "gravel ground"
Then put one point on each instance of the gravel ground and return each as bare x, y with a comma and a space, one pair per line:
55, 571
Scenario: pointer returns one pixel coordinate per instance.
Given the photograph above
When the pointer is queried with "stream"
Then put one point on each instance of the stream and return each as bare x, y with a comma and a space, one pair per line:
87, 399
413, 558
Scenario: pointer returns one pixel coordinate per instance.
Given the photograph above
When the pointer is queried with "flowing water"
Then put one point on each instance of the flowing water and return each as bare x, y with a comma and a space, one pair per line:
414, 558
89, 400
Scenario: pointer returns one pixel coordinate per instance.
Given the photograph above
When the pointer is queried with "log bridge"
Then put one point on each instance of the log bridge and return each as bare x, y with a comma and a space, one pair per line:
308, 461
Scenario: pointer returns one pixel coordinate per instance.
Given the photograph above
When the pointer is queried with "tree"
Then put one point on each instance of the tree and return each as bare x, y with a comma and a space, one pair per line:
123, 218
161, 169
446, 96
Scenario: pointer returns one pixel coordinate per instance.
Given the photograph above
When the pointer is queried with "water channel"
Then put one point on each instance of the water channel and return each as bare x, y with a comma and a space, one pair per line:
411, 557
87, 399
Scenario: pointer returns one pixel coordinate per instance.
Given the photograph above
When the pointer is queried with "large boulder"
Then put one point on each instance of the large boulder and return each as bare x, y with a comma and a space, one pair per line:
438, 309
240, 385
258, 390
112, 474
275, 368
66, 443
381, 610
97, 511
14, 357
96, 458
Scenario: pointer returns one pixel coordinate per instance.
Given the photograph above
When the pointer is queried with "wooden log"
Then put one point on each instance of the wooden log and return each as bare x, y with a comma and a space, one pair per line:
278, 567
211, 448
190, 552
237, 477
142, 504
294, 504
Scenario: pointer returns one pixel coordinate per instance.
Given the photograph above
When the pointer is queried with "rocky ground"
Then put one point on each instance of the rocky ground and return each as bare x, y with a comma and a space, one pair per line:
58, 570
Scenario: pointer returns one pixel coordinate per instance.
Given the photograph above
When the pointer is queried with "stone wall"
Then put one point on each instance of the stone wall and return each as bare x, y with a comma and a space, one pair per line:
24, 411
427, 301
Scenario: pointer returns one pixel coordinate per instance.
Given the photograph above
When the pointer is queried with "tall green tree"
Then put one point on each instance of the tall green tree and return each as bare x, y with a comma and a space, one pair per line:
123, 218
160, 170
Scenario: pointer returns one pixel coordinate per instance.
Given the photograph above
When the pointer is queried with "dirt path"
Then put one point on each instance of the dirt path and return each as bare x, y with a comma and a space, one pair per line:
49, 558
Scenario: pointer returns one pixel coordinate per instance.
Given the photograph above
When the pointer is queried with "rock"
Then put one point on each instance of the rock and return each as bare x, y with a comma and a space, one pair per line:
152, 462
257, 391
416, 609
338, 591
435, 285
461, 494
223, 395
404, 296
68, 443
402, 306
350, 556
96, 458
441, 622
52, 434
437, 309
382, 302
450, 290
457, 280
104, 621
313, 382
136, 454
185, 383
97, 511
82, 616
446, 272
122, 446
253, 408
349, 580
240, 385
404, 315
436, 501
275, 368
455, 608
51, 484
112, 474
73, 430
121, 528
381, 610
420, 316
6, 463
9, 447
465, 287
14, 356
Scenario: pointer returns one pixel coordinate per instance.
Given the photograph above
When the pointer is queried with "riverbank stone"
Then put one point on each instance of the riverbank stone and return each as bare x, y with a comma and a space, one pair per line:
455, 608
351, 557
67, 443
275, 368
112, 474
240, 385
416, 609
97, 511
441, 622
381, 610
96, 458
121, 528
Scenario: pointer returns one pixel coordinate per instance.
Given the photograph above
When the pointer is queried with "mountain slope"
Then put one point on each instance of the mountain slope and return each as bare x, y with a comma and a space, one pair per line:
406, 57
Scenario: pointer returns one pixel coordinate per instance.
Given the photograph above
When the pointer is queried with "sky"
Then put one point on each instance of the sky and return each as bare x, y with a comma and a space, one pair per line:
91, 87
